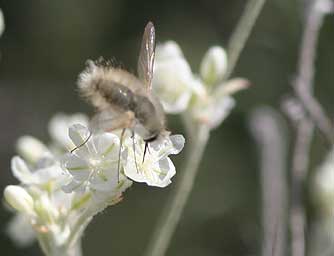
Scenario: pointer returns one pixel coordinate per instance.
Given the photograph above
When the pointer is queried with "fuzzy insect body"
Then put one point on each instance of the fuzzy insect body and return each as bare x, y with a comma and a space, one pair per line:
122, 99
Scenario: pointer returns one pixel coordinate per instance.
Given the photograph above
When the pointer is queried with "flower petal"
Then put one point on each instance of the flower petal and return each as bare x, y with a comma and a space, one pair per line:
59, 125
167, 50
72, 186
31, 149
214, 65
50, 174
21, 171
107, 145
79, 134
169, 145
173, 78
76, 166
178, 143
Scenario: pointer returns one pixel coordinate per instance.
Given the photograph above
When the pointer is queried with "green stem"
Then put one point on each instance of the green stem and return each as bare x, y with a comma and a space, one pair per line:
241, 34
182, 189
179, 197
49, 247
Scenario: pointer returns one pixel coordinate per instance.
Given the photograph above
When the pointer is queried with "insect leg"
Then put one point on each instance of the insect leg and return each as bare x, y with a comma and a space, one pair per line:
119, 153
146, 147
134, 150
83, 143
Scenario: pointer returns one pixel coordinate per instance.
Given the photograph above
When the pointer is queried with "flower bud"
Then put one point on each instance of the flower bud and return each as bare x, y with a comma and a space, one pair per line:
2, 23
214, 65
30, 148
18, 198
168, 50
323, 186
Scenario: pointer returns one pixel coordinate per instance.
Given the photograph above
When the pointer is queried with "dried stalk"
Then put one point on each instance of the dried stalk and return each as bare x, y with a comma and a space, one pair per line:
269, 130
305, 126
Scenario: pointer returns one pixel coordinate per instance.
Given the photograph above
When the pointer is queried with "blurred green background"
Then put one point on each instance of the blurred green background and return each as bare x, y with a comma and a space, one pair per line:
45, 46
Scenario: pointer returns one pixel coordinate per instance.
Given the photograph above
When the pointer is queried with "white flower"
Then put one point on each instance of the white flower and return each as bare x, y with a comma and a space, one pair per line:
157, 169
214, 65
59, 125
93, 166
212, 106
31, 149
41, 203
173, 78
211, 111
205, 97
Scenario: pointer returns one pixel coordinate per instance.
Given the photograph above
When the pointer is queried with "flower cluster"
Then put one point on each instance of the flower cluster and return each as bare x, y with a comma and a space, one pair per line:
205, 97
60, 191
63, 184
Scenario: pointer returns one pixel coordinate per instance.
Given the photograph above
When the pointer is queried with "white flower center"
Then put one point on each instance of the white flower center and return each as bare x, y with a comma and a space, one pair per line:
95, 162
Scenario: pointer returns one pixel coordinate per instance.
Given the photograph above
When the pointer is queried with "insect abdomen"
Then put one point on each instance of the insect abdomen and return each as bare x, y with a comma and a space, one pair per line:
117, 95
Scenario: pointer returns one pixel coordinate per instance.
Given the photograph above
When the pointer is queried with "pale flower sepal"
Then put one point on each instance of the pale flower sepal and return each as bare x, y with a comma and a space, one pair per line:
232, 86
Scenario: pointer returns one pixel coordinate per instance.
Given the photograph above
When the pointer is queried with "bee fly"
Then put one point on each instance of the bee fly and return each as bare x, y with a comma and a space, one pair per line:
123, 100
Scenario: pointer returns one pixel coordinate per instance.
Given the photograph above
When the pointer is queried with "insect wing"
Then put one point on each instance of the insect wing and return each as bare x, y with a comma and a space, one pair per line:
109, 120
146, 56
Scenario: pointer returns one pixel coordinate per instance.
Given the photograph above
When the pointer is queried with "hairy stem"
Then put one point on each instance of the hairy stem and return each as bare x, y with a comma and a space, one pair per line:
241, 34
179, 197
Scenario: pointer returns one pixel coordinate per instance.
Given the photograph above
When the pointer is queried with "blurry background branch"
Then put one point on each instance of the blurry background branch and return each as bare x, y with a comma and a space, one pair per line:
242, 32
269, 131
303, 86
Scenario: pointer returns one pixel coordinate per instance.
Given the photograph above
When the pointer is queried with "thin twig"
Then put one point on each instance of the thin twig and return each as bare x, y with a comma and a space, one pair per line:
269, 131
241, 34
304, 135
304, 82
305, 127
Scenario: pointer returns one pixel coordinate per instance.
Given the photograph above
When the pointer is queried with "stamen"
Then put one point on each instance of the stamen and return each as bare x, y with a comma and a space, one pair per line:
119, 154
134, 150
